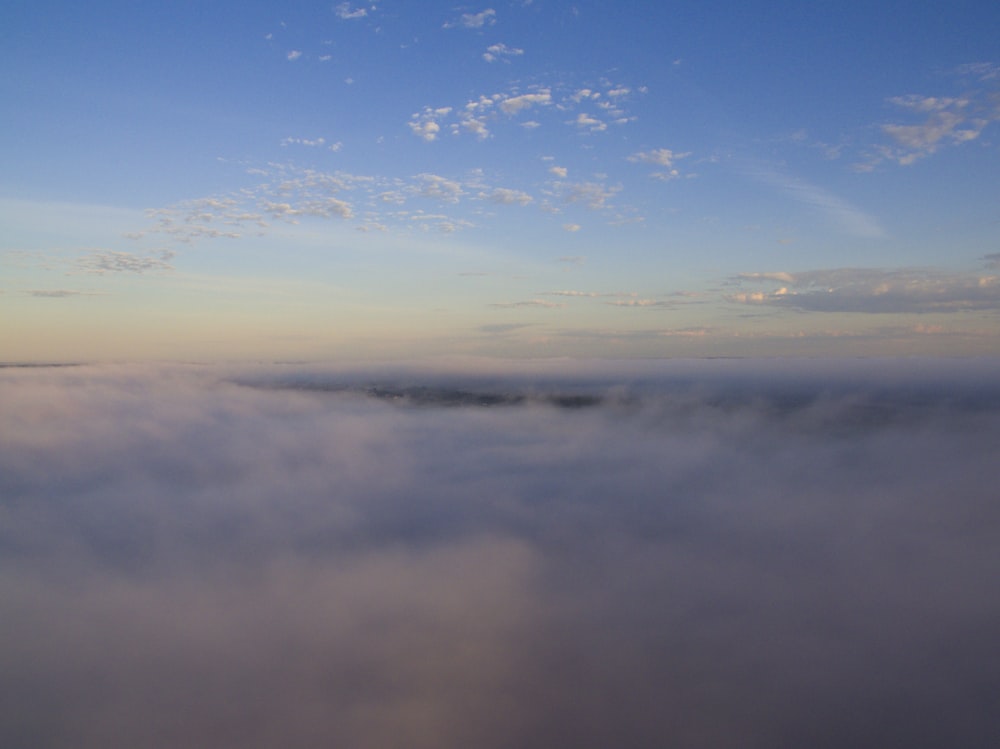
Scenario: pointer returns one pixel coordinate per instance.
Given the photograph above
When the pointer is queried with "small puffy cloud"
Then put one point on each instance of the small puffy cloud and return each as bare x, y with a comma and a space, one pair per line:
591, 124
592, 194
486, 17
313, 143
439, 188
571, 227
344, 11
515, 104
294, 55
659, 156
424, 127
506, 196
501, 52
559, 171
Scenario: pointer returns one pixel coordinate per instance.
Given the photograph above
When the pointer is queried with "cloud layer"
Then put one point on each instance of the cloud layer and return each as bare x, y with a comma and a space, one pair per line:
188, 561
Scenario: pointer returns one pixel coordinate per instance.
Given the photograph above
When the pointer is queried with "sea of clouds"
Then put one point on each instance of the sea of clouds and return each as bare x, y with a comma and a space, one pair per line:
693, 554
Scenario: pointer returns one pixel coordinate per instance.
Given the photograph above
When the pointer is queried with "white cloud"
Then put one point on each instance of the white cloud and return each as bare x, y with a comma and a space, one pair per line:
294, 55
559, 171
344, 10
486, 17
571, 227
585, 121
592, 194
501, 52
514, 104
438, 187
941, 121
508, 196
658, 156
424, 126
314, 143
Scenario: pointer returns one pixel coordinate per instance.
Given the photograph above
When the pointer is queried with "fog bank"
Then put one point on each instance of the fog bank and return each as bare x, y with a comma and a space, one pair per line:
737, 555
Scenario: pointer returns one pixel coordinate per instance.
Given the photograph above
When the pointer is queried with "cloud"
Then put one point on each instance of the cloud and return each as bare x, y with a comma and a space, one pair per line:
940, 121
344, 11
543, 303
849, 218
571, 292
501, 52
425, 125
559, 171
294, 55
59, 293
728, 553
594, 195
503, 328
314, 143
439, 188
515, 104
476, 114
506, 196
101, 262
982, 71
486, 17
874, 290
571, 227
586, 122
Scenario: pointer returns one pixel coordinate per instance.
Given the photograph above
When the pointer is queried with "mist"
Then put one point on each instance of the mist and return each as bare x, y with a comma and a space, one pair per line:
690, 554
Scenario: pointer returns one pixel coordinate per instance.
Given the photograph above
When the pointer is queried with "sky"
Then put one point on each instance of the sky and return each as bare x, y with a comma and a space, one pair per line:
331, 181
705, 554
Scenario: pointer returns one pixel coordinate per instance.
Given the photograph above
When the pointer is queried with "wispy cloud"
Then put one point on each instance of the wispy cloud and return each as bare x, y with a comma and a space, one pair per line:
541, 303
937, 122
873, 290
849, 218
101, 262
60, 293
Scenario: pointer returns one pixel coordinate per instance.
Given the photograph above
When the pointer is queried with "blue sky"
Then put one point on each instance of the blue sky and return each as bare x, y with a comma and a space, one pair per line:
328, 180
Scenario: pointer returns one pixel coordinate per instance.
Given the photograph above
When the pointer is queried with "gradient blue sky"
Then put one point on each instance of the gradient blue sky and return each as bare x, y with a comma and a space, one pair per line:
328, 180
